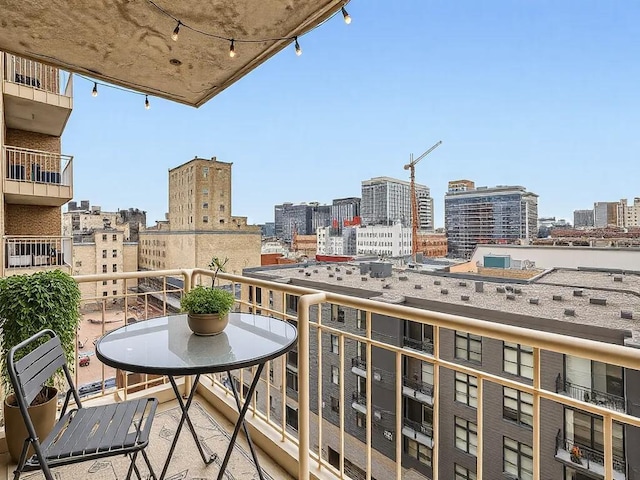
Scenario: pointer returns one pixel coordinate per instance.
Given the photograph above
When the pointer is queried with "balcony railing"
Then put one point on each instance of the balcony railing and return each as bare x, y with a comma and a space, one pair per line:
418, 385
359, 362
37, 75
35, 166
586, 457
423, 345
104, 310
590, 395
35, 252
419, 427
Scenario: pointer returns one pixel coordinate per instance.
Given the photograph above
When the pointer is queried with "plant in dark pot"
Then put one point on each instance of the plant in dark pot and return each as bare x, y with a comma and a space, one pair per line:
29, 304
208, 307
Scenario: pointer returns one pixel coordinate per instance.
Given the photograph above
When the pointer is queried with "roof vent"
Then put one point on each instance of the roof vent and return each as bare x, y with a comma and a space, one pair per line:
509, 288
557, 298
403, 278
598, 301
315, 270
437, 282
301, 270
511, 296
464, 298
462, 284
534, 301
337, 269
617, 278
331, 275
517, 290
339, 279
387, 286
479, 287
444, 291
348, 272
328, 267
308, 274
500, 289
417, 287
364, 279
626, 314
569, 312
577, 293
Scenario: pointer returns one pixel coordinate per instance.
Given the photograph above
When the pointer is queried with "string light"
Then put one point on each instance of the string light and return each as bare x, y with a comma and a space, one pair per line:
174, 35
147, 106
347, 17
297, 45
232, 49
94, 92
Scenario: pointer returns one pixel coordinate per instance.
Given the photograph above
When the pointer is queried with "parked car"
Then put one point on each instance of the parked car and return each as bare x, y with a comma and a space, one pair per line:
84, 361
95, 387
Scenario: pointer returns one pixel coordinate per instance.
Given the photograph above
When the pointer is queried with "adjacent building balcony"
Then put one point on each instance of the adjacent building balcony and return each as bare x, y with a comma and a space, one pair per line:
587, 460
37, 97
417, 389
422, 345
27, 254
604, 399
359, 366
35, 177
418, 431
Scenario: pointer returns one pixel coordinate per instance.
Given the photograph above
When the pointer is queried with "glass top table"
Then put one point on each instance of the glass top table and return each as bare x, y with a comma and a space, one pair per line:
166, 346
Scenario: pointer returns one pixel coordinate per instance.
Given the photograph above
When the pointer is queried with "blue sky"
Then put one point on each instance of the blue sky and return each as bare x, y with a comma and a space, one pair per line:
540, 93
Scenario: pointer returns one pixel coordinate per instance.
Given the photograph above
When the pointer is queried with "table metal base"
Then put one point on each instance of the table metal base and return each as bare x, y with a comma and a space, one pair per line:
242, 409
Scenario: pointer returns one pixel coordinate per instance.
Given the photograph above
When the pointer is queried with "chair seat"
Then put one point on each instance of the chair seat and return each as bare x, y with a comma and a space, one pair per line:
97, 432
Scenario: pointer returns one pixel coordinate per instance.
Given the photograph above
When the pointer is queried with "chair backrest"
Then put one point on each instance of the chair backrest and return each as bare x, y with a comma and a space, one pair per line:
29, 374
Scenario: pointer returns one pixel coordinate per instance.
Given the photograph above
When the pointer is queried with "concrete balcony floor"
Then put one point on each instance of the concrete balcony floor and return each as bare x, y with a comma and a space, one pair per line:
214, 431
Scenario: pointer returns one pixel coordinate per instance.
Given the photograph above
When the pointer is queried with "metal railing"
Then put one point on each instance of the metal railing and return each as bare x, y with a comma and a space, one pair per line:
37, 75
418, 427
29, 252
36, 166
424, 345
590, 395
418, 385
359, 362
586, 457
271, 405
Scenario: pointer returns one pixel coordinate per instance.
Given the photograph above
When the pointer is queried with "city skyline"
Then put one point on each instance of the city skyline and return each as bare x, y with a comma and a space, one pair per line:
518, 97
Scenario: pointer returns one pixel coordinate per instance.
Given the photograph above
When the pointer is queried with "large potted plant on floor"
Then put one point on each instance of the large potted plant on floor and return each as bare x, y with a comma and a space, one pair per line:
28, 304
208, 308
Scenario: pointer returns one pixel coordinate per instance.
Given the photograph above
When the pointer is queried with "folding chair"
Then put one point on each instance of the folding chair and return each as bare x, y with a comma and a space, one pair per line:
80, 434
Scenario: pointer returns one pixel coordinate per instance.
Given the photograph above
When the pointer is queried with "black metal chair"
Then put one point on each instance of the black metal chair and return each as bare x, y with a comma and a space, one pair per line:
81, 433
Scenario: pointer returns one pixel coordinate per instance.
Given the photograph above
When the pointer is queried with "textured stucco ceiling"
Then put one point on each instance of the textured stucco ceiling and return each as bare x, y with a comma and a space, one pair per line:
128, 42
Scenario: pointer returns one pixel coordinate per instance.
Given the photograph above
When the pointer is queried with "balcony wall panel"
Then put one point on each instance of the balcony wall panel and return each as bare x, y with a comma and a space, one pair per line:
33, 140
32, 220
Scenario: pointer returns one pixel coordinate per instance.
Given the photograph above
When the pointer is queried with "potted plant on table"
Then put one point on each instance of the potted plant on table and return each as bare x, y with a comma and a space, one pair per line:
29, 304
208, 307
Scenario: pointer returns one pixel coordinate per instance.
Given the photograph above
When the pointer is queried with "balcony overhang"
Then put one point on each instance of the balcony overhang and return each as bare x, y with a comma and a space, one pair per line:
129, 43
33, 110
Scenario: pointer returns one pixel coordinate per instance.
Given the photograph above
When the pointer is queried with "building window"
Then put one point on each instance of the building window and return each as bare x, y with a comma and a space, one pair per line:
115, 292
114, 237
104, 254
292, 380
335, 346
335, 375
205, 205
416, 450
104, 294
337, 313
115, 267
518, 459
104, 282
292, 303
462, 473
518, 406
468, 347
205, 219
466, 436
335, 404
114, 253
467, 389
361, 420
518, 359
205, 172
104, 269
115, 282
361, 320
221, 208
292, 417
205, 192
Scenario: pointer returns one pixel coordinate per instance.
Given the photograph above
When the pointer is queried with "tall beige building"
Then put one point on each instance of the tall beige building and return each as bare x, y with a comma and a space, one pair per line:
200, 224
629, 215
37, 179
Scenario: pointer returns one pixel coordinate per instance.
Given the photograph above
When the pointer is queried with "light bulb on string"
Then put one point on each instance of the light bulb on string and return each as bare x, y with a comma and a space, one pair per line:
174, 35
232, 49
347, 17
147, 106
94, 92
297, 46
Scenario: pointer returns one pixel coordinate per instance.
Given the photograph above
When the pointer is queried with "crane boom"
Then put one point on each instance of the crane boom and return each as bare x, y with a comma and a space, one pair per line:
414, 201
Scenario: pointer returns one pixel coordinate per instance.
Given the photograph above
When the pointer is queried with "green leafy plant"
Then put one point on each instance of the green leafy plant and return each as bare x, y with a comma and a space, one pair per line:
30, 303
203, 299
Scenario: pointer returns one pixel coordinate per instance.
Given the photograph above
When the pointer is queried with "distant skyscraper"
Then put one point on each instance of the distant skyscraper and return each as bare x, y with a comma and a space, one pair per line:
503, 214
302, 218
345, 211
583, 218
605, 214
386, 201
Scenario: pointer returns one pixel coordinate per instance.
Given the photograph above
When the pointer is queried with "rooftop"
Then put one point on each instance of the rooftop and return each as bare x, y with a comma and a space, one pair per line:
576, 289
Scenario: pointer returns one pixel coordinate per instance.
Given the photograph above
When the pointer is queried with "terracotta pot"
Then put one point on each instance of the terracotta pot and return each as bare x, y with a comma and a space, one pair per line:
207, 323
43, 417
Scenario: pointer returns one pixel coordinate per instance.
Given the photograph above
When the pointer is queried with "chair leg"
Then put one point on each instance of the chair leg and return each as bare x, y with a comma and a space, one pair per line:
132, 466
146, 459
22, 460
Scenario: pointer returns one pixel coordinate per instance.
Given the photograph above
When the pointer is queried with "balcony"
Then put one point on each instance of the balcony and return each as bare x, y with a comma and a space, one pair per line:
37, 97
359, 366
26, 254
606, 400
587, 460
416, 388
424, 345
295, 434
34, 177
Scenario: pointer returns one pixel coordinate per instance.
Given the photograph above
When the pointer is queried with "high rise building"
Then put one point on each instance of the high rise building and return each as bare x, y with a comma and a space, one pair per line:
629, 215
345, 212
200, 224
37, 178
502, 214
605, 214
583, 218
386, 201
302, 218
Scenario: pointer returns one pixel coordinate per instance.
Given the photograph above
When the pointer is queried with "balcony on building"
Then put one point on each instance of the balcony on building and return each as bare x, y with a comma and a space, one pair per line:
417, 381
37, 97
418, 337
34, 177
29, 254
587, 463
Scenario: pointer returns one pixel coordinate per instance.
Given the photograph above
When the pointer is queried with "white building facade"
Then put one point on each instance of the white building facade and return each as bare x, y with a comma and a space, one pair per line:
387, 240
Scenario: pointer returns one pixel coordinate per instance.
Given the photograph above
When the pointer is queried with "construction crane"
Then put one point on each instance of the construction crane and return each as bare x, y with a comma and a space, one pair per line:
414, 201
